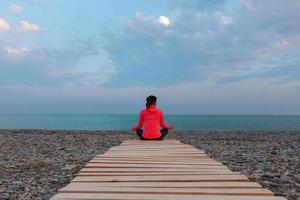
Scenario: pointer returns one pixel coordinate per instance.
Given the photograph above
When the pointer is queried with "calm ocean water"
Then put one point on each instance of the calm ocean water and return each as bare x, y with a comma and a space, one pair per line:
125, 122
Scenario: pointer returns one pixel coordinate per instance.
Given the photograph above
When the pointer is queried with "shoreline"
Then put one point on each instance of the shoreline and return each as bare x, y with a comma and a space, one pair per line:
37, 162
128, 131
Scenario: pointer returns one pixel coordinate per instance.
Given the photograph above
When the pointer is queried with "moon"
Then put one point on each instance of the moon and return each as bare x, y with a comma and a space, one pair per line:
164, 20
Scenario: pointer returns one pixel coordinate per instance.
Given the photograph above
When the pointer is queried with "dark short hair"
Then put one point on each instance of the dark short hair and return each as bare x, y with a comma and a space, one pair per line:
150, 100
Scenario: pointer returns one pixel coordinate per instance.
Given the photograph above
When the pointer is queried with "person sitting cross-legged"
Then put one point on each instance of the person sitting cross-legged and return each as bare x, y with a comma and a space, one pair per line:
152, 118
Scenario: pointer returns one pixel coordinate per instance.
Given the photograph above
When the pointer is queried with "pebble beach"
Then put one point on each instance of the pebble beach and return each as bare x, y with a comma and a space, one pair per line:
34, 164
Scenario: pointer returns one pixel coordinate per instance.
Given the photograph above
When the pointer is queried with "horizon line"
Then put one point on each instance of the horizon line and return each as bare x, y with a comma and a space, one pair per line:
203, 114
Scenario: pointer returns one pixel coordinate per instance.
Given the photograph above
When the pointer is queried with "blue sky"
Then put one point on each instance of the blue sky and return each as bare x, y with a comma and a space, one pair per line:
197, 56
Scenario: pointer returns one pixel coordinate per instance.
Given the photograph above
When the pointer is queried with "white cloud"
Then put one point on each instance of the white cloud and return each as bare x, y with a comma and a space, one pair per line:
223, 41
200, 5
3, 25
164, 20
16, 51
283, 43
225, 19
15, 8
88, 71
28, 27
210, 98
247, 4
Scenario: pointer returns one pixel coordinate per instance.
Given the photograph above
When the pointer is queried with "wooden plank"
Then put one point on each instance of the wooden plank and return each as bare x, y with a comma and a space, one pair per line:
152, 157
156, 155
154, 151
153, 170
152, 173
140, 141
217, 166
150, 141
155, 145
190, 191
157, 148
151, 160
154, 162
156, 158
230, 184
156, 178
205, 162
153, 154
112, 196
146, 145
165, 146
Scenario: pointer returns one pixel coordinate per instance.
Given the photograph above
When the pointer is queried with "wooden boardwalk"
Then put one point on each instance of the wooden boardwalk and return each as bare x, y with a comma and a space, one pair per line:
160, 170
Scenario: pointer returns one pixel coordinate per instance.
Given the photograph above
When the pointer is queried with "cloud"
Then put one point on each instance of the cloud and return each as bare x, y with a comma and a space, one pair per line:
226, 20
210, 43
29, 27
15, 8
87, 71
200, 5
16, 51
80, 63
4, 26
164, 20
216, 44
204, 97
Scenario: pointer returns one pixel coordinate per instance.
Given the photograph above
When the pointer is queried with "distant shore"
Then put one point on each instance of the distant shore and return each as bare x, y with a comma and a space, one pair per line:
34, 164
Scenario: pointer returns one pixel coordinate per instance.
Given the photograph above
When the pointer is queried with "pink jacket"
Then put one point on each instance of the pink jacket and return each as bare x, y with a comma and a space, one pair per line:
153, 118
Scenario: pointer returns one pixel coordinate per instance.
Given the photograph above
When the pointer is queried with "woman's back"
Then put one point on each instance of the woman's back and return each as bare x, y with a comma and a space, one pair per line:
151, 117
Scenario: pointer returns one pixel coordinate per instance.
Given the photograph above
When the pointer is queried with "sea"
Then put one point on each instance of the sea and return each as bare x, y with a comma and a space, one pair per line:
126, 121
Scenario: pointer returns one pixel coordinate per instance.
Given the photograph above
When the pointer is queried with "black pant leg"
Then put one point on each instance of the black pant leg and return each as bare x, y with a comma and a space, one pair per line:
139, 132
163, 132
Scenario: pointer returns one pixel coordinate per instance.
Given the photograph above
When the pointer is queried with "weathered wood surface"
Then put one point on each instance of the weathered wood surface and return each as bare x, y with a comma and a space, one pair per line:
159, 170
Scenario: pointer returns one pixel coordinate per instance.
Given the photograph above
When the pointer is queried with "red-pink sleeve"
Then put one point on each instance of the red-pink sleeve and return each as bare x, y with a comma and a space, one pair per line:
141, 121
162, 121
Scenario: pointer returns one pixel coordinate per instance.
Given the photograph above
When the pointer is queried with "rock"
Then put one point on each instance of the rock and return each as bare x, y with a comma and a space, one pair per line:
47, 196
70, 168
271, 175
5, 195
297, 178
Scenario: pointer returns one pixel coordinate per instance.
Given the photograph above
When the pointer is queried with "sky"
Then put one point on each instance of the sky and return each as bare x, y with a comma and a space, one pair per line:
107, 56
